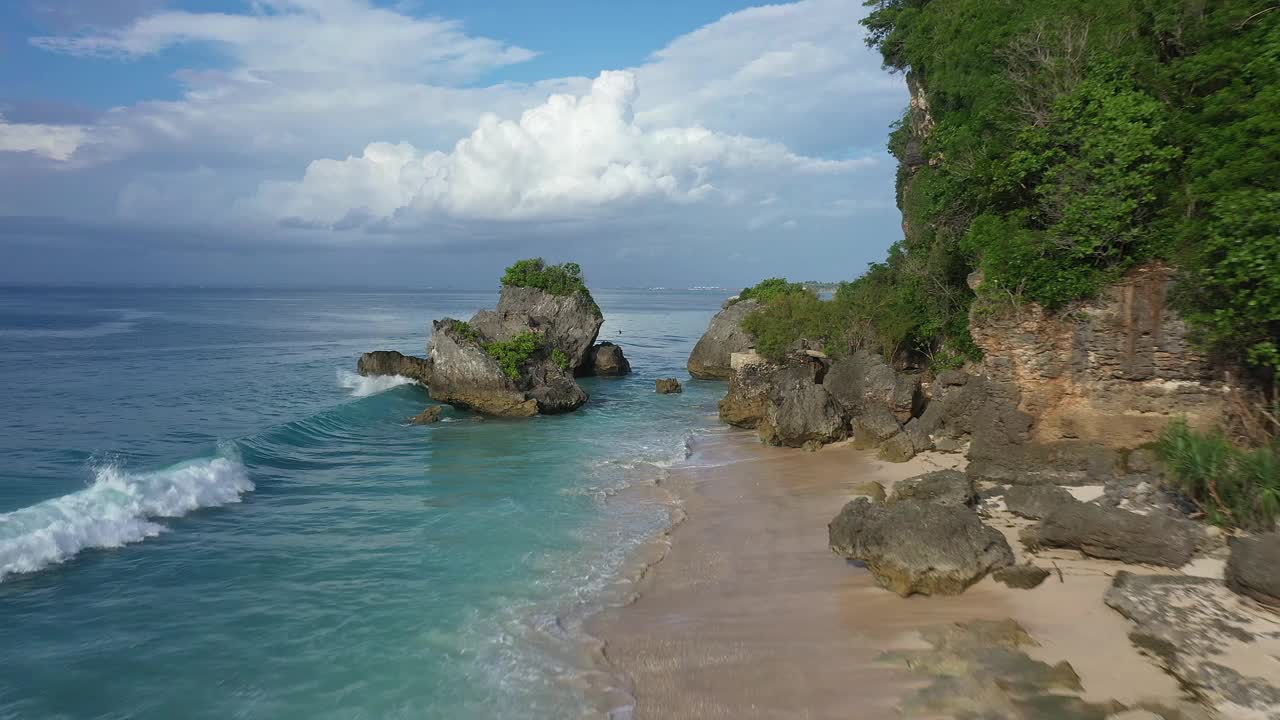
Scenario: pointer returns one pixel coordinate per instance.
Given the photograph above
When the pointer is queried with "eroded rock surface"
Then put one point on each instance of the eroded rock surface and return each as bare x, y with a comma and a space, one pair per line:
1117, 535
944, 487
918, 547
667, 386
1254, 568
1206, 637
390, 362
747, 401
800, 409
569, 323
724, 336
1036, 501
605, 360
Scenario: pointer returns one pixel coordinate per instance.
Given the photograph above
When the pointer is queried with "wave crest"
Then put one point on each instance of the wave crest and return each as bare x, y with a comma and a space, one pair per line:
117, 509
365, 385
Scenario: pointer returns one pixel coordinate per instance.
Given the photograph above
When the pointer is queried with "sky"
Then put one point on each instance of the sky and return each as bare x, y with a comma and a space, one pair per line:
417, 143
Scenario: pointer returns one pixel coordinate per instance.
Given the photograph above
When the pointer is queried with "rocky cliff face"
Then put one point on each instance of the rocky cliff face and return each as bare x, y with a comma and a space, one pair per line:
710, 359
569, 323
1067, 394
390, 362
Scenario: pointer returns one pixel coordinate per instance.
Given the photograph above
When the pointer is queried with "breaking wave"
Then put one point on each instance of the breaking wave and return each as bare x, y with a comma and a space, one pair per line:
363, 386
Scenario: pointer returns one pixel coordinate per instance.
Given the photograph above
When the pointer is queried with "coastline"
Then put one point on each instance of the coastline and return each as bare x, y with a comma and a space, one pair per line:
740, 610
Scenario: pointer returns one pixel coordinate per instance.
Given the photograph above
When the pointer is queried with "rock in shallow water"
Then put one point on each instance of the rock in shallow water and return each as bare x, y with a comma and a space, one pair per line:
428, 416
606, 360
918, 547
667, 386
390, 362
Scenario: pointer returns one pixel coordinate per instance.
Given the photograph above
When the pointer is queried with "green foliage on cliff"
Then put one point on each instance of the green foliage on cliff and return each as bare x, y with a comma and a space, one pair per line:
562, 279
465, 330
1235, 487
771, 289
561, 360
1066, 141
514, 353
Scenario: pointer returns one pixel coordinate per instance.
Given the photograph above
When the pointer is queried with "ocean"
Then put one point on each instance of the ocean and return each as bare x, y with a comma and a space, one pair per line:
204, 513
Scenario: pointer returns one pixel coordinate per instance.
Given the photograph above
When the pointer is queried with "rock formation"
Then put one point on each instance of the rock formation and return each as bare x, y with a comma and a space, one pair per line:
1254, 568
943, 487
799, 409
605, 360
725, 336
667, 386
390, 362
427, 417
917, 546
569, 323
1036, 501
1114, 534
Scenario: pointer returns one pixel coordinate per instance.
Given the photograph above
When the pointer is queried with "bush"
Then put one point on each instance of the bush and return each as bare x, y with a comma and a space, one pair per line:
767, 291
1235, 487
560, 358
465, 330
514, 353
562, 279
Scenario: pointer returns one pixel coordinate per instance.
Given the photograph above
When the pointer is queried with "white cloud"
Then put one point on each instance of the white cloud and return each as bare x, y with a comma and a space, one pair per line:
562, 158
55, 142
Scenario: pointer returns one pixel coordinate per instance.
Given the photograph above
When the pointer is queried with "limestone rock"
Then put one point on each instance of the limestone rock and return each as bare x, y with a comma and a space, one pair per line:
873, 426
1036, 501
1205, 636
1022, 577
1254, 568
605, 360
1117, 535
799, 409
390, 362
864, 380
870, 489
569, 323
918, 547
898, 448
428, 416
944, 487
747, 401
724, 336
667, 386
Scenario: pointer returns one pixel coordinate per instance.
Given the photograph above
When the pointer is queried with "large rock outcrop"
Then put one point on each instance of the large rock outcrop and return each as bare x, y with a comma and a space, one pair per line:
917, 546
1254, 568
390, 362
710, 359
569, 323
863, 380
605, 360
747, 401
1114, 534
800, 410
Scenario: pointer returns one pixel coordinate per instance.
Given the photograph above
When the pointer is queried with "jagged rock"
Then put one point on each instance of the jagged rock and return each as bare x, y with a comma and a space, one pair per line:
864, 380
898, 448
1117, 535
1036, 501
918, 547
724, 336
870, 489
1021, 577
747, 401
466, 376
800, 409
667, 386
1204, 636
428, 416
390, 362
875, 425
944, 487
952, 378
605, 360
1144, 494
1254, 568
569, 323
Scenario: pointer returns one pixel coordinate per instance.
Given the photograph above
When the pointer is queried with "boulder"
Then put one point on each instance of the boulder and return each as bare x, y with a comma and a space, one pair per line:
747, 401
569, 323
1114, 534
1253, 568
918, 547
873, 426
390, 362
898, 448
667, 386
605, 360
1206, 637
944, 487
466, 376
428, 416
870, 489
1021, 577
800, 409
724, 336
863, 380
1036, 501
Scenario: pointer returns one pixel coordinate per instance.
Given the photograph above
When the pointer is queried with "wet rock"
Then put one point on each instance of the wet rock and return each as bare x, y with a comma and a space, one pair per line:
871, 490
800, 410
605, 360
569, 323
667, 386
724, 336
390, 362
1253, 568
1036, 501
944, 487
747, 401
1022, 577
1205, 636
428, 416
898, 448
1117, 535
918, 547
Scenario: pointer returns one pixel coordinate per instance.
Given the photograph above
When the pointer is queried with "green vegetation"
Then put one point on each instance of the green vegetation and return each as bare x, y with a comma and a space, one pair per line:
562, 279
560, 358
1060, 143
767, 291
514, 353
465, 330
1235, 487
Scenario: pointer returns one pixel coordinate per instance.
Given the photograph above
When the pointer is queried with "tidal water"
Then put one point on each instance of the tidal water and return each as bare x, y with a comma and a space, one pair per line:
205, 514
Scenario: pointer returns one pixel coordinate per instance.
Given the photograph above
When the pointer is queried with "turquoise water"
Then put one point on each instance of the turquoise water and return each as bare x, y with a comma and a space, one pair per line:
204, 514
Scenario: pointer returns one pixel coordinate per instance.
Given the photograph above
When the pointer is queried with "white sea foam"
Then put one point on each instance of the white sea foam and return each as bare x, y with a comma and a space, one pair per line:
365, 385
118, 508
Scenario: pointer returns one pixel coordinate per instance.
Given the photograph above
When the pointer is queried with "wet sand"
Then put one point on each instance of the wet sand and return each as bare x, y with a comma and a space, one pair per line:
750, 615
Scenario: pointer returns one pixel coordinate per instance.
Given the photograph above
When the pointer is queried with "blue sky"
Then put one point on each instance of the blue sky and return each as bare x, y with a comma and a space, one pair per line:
428, 143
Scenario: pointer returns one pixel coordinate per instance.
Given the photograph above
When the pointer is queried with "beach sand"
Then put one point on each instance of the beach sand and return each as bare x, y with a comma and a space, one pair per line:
750, 615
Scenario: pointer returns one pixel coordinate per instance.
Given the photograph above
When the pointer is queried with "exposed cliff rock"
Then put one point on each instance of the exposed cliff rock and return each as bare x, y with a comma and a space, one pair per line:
1114, 534
1254, 568
864, 380
390, 362
569, 323
800, 410
747, 401
605, 360
710, 359
917, 546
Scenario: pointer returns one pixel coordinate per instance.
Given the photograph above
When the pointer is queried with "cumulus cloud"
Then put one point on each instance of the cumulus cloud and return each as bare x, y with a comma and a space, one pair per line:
564, 157
55, 142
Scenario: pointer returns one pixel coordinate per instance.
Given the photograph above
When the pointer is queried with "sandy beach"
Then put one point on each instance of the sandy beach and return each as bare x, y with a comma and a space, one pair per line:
750, 615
